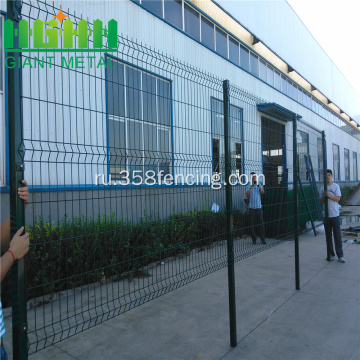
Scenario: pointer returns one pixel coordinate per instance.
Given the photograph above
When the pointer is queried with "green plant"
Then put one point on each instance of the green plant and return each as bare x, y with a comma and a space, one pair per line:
346, 191
80, 251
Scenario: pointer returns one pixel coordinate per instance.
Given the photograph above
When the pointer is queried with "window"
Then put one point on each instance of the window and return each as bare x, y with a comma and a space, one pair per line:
153, 5
320, 176
207, 33
283, 84
270, 75
254, 64
336, 162
173, 12
308, 102
192, 21
221, 42
277, 78
304, 98
1, 54
244, 58
300, 96
218, 141
355, 166
262, 70
234, 51
302, 149
139, 122
347, 164
289, 88
294, 92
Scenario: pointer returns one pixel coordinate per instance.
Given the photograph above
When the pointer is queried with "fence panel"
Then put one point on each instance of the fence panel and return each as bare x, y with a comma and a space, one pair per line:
126, 165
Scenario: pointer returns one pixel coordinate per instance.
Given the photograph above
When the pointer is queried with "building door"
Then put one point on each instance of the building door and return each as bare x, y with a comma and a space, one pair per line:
273, 149
275, 172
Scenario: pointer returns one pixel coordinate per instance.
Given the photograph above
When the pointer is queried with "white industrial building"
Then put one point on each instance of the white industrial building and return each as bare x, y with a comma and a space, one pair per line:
82, 122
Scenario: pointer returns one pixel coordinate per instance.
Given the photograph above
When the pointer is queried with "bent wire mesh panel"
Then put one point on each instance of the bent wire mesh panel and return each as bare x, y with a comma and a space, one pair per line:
124, 155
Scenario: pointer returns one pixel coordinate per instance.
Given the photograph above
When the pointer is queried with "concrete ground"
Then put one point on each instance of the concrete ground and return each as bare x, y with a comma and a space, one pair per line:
274, 321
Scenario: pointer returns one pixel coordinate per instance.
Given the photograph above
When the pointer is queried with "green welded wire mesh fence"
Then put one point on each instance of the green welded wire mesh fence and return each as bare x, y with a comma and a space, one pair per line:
126, 166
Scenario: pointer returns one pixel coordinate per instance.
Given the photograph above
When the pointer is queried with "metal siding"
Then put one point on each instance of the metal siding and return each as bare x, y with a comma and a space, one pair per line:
155, 33
278, 26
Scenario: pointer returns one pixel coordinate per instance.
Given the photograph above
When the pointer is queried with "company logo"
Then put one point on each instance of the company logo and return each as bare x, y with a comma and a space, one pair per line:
57, 36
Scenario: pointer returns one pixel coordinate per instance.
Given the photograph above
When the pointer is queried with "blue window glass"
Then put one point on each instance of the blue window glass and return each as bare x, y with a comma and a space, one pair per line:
164, 102
254, 64
270, 75
302, 149
133, 93
304, 99
149, 97
355, 166
140, 140
289, 88
221, 42
308, 103
153, 5
294, 92
192, 21
262, 70
115, 87
244, 58
117, 146
277, 80
207, 33
347, 164
300, 96
173, 12
336, 162
218, 143
234, 51
283, 84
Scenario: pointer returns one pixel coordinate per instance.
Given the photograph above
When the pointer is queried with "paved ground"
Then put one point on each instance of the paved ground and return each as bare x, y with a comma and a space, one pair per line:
321, 321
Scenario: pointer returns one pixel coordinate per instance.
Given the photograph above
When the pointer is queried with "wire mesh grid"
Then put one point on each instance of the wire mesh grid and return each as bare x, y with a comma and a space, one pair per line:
125, 162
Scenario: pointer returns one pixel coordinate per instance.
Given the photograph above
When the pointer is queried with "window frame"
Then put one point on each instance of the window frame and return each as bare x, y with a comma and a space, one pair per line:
347, 173
301, 160
336, 174
221, 140
355, 166
308, 100
128, 120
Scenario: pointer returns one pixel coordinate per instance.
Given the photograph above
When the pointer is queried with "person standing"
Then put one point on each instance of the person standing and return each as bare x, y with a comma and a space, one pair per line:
332, 223
254, 190
16, 249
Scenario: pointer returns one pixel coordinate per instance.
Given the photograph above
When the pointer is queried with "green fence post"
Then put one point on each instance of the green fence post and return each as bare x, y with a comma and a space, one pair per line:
296, 206
17, 210
229, 216
325, 189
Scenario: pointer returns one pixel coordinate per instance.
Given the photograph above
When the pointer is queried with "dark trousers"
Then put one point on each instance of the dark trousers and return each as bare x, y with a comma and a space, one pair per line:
257, 213
332, 225
3, 353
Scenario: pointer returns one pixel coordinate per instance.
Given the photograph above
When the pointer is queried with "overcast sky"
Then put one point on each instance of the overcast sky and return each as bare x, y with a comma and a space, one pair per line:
336, 27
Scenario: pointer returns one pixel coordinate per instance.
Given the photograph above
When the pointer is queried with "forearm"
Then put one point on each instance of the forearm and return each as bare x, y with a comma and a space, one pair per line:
5, 263
248, 192
5, 234
335, 198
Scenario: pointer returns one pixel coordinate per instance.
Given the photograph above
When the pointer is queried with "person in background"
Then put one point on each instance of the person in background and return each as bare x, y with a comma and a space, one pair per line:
332, 224
15, 249
254, 192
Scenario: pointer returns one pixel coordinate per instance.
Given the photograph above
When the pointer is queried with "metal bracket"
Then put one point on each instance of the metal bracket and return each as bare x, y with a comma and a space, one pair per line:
17, 5
20, 167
